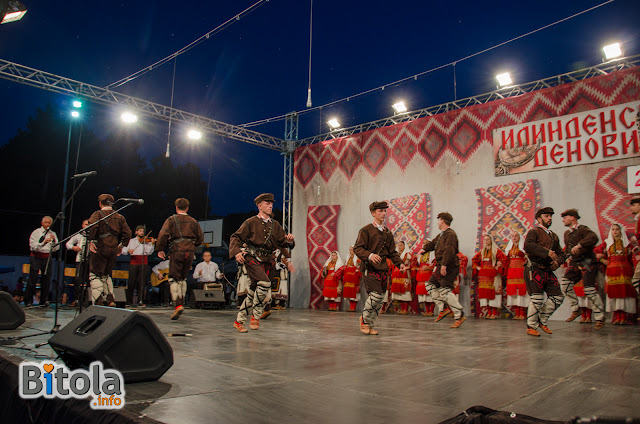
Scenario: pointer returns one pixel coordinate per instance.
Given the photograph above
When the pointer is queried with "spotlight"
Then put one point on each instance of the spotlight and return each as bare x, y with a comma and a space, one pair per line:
399, 107
75, 113
504, 79
129, 118
77, 104
612, 51
194, 134
11, 11
333, 123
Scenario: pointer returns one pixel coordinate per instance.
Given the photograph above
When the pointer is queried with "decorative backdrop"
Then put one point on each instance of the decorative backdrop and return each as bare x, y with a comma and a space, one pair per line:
612, 200
409, 219
322, 224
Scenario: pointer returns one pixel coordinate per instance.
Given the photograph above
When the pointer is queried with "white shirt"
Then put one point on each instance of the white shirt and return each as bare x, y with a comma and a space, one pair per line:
162, 265
45, 247
210, 272
141, 249
78, 240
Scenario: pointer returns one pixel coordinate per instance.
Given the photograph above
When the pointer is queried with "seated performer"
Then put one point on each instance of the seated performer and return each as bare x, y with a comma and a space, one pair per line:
106, 240
139, 248
621, 296
426, 263
253, 245
332, 288
182, 234
401, 281
161, 281
206, 271
517, 297
487, 265
351, 280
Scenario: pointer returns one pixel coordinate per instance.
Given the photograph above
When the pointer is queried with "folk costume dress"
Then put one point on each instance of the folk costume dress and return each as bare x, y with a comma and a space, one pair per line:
331, 291
621, 296
401, 284
517, 297
426, 263
351, 276
487, 274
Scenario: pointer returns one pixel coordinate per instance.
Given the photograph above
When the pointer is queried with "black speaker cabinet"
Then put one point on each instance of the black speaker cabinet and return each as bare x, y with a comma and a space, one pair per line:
124, 340
120, 295
208, 296
11, 314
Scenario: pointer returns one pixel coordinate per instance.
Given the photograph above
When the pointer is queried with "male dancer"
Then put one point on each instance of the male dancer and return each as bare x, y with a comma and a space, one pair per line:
139, 249
262, 236
579, 242
545, 255
374, 245
40, 244
182, 234
106, 241
441, 283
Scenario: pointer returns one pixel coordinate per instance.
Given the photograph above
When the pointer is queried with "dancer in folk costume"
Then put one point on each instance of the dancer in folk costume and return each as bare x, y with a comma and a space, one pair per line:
517, 297
635, 239
585, 308
401, 281
386, 300
616, 257
332, 290
426, 264
351, 275
280, 292
487, 267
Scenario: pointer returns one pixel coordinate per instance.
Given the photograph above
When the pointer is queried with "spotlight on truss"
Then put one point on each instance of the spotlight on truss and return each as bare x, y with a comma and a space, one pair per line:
612, 51
504, 79
11, 11
194, 134
399, 108
129, 118
333, 123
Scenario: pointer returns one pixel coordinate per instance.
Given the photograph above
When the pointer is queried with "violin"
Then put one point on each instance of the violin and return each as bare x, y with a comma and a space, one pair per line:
147, 239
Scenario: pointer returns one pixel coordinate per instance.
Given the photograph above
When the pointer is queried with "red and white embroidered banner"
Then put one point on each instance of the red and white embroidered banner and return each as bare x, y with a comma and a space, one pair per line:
612, 200
409, 218
322, 226
597, 135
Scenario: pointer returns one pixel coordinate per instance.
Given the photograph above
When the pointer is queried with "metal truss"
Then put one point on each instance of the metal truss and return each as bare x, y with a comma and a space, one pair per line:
40, 79
516, 90
291, 138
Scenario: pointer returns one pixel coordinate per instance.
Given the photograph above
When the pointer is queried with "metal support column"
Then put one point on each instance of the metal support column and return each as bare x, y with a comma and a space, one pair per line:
290, 140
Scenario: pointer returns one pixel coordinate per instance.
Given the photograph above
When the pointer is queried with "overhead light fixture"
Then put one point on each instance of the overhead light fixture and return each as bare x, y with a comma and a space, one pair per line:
11, 11
75, 113
194, 134
333, 123
612, 51
129, 118
504, 79
399, 107
77, 104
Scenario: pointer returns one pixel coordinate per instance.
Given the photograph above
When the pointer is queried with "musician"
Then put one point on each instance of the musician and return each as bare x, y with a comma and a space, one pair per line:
105, 243
77, 244
181, 233
206, 271
40, 243
139, 247
161, 272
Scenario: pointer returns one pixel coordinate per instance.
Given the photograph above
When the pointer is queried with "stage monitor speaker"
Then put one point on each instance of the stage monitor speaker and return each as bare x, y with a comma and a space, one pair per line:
208, 296
11, 314
125, 340
120, 295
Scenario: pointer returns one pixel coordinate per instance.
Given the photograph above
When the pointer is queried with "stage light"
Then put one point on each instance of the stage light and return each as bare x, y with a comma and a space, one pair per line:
77, 104
333, 123
399, 107
11, 11
75, 113
194, 134
129, 118
504, 79
612, 51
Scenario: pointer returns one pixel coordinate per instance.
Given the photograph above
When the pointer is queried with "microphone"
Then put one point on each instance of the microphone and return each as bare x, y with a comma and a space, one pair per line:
138, 201
85, 174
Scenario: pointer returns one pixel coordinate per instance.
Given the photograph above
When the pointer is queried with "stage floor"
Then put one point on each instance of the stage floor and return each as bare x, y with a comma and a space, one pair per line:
316, 366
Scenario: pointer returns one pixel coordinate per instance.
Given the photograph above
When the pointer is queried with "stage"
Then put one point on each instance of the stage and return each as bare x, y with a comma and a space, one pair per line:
316, 366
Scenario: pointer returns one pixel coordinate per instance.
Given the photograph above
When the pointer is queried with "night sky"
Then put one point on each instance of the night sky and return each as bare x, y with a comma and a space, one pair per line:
258, 67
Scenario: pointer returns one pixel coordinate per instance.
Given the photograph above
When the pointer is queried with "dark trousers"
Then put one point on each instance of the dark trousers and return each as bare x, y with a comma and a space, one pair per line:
180, 264
102, 262
137, 281
448, 280
79, 280
37, 264
258, 271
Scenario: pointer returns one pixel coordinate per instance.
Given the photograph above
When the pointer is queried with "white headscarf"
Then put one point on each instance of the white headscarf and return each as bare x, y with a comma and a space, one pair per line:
624, 238
494, 250
431, 257
339, 262
355, 257
510, 245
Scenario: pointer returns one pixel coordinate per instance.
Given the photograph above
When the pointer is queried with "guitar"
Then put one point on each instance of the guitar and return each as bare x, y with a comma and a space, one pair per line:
156, 281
